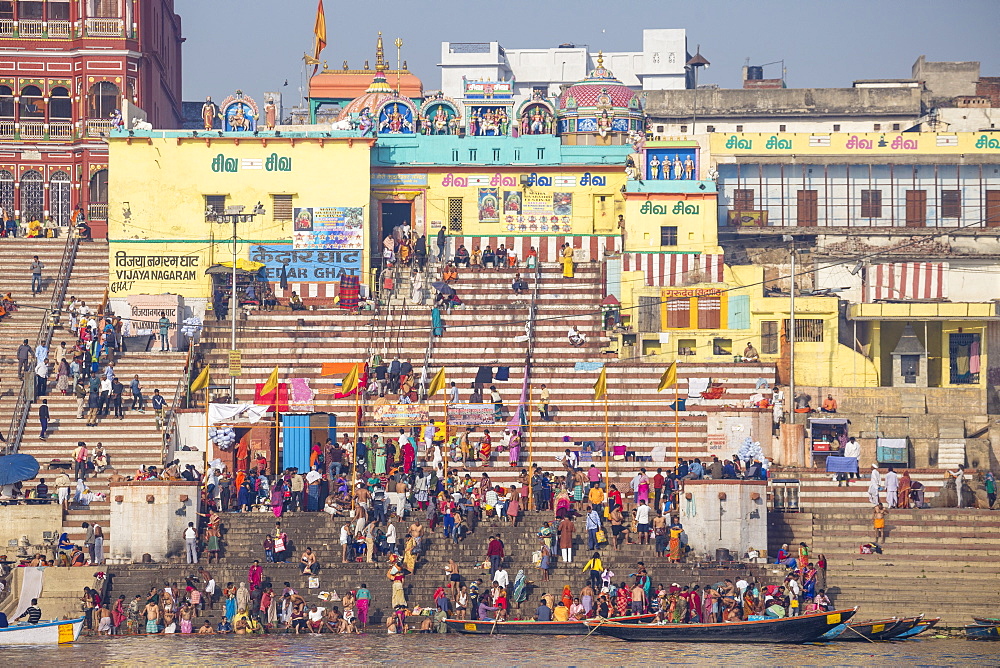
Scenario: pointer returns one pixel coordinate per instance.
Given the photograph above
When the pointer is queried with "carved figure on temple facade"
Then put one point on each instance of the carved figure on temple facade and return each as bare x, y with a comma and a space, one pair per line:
209, 112
654, 168
678, 167
270, 114
365, 122
396, 118
239, 113
688, 168
604, 124
440, 122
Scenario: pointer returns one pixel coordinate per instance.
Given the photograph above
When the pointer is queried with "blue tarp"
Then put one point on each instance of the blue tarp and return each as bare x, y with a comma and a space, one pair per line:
297, 441
16, 468
841, 464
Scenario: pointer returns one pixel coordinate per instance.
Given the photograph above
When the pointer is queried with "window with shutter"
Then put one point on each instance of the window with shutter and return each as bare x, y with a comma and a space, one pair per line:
871, 203
951, 203
679, 313
709, 312
281, 207
807, 330
217, 203
743, 199
769, 337
454, 214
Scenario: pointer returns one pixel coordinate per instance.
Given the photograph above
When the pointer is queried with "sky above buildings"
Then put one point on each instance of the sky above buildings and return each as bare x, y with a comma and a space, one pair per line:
257, 46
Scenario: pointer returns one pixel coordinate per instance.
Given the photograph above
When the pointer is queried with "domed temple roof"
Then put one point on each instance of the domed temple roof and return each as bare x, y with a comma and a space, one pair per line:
599, 89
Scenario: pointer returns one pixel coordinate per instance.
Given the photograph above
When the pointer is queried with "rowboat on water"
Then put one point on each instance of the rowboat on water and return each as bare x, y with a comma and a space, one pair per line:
986, 620
799, 629
55, 632
879, 629
920, 627
531, 628
982, 632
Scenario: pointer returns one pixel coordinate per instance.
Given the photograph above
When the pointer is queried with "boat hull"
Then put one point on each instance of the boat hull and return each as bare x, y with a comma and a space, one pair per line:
924, 625
530, 628
881, 629
986, 621
804, 628
46, 633
982, 632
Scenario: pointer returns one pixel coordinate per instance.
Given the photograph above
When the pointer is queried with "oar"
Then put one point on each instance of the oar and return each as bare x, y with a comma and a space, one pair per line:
603, 619
862, 635
496, 618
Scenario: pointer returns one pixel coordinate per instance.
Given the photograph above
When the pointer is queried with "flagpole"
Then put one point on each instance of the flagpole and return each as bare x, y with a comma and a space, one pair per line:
607, 444
444, 446
677, 428
354, 457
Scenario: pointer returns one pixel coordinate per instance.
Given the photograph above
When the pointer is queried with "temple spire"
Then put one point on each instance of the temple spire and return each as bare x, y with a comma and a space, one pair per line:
380, 65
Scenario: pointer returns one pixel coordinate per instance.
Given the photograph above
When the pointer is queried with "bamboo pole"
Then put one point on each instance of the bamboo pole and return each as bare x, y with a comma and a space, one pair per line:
607, 443
444, 446
677, 429
354, 456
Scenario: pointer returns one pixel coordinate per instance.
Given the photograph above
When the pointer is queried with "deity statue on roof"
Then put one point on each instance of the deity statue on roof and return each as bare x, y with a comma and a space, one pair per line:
270, 114
440, 123
654, 168
678, 168
365, 122
208, 113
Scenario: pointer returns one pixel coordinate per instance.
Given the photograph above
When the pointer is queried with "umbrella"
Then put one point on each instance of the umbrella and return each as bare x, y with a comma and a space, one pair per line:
443, 288
284, 277
15, 468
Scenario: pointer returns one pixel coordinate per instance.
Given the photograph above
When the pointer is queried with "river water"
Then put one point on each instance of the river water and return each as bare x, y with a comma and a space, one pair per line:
448, 650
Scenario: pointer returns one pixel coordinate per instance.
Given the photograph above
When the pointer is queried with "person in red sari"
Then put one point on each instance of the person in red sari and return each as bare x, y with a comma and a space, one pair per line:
903, 495
118, 615
623, 600
408, 456
694, 605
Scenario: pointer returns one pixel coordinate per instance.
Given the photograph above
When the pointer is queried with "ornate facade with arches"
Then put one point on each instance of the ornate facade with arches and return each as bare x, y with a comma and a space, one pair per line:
75, 64
536, 116
440, 115
599, 110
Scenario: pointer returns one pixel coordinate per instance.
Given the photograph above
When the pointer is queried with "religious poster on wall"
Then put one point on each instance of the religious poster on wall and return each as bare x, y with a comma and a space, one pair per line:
489, 205
537, 204
306, 265
329, 227
471, 415
402, 415
511, 202
562, 204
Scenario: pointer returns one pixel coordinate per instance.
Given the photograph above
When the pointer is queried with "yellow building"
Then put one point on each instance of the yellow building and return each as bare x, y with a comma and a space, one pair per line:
314, 191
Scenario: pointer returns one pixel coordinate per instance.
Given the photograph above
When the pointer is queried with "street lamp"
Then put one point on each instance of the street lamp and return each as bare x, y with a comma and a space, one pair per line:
234, 215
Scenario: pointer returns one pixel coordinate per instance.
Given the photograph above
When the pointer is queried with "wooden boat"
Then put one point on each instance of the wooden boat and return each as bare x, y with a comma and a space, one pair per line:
880, 629
986, 620
803, 628
982, 632
532, 628
919, 628
44, 633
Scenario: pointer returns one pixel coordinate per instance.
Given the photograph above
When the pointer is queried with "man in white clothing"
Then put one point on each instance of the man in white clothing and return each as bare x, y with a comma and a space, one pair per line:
191, 543
959, 476
501, 578
873, 485
852, 449
891, 486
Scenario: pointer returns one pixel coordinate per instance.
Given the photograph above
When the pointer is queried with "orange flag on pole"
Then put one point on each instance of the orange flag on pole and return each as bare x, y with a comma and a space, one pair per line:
320, 31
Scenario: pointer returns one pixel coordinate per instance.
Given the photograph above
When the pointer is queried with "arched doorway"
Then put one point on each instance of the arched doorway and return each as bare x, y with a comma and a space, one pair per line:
32, 105
60, 190
7, 192
32, 197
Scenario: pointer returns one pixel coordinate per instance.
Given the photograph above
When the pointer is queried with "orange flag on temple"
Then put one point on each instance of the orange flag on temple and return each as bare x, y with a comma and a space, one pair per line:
320, 31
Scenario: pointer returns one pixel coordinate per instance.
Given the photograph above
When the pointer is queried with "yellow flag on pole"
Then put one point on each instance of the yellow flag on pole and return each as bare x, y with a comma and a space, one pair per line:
437, 383
319, 30
271, 384
350, 381
669, 377
601, 386
201, 382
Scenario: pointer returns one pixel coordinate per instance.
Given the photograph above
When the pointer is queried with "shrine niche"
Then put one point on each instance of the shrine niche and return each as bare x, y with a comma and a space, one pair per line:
239, 113
397, 116
439, 115
488, 121
537, 117
489, 108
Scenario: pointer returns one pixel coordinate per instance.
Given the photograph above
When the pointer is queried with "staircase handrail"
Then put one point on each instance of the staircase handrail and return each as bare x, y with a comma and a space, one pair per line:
53, 312
179, 400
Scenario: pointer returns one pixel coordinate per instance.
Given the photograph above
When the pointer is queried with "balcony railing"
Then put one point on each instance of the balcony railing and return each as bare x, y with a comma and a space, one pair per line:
30, 28
63, 29
7, 27
32, 130
101, 27
60, 130
6, 129
97, 211
98, 126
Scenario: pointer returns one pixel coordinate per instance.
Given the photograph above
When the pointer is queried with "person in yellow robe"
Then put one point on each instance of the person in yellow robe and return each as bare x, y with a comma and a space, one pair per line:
567, 261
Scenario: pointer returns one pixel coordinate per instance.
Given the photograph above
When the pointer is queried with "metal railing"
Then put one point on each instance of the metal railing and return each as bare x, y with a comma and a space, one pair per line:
179, 400
60, 130
30, 28
97, 211
59, 29
32, 130
7, 129
103, 27
8, 27
97, 127
53, 313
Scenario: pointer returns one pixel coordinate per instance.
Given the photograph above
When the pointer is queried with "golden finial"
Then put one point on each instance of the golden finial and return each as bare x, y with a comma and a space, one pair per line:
379, 55
600, 59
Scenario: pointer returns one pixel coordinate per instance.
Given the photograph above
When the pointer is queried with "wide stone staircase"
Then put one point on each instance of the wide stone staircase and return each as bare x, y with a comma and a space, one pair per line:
244, 532
489, 330
941, 562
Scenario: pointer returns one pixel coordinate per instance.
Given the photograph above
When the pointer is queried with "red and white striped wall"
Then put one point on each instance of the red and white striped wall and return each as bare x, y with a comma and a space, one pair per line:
308, 290
665, 270
547, 246
907, 280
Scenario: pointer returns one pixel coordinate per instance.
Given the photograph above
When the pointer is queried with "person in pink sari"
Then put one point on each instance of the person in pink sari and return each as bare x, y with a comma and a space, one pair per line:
515, 447
277, 498
408, 456
642, 489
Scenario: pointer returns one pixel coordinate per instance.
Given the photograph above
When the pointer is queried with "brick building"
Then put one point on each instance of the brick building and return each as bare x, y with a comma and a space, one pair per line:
65, 67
